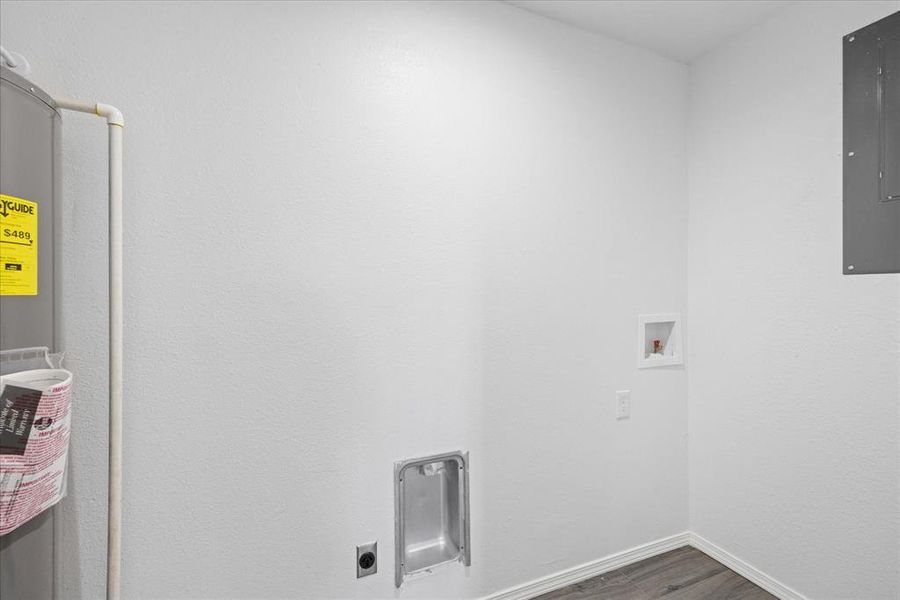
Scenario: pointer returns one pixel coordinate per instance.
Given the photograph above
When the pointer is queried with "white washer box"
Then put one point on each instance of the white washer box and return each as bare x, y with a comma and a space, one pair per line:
667, 329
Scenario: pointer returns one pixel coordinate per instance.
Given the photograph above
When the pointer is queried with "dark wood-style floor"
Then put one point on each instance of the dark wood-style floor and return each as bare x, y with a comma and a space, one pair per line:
682, 574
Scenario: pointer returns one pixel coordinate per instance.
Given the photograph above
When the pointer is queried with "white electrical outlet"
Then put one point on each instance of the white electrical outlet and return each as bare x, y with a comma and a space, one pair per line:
623, 404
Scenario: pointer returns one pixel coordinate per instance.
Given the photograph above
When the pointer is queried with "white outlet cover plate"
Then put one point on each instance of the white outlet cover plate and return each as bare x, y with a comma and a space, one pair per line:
623, 404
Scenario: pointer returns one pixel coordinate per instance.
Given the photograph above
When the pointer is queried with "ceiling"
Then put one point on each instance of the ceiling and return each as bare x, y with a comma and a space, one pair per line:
682, 30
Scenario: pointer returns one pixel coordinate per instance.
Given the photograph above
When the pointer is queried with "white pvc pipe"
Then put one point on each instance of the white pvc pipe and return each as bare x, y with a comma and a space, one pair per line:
116, 125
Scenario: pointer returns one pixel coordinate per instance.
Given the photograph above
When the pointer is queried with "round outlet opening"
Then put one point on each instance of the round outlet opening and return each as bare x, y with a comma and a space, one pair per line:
366, 560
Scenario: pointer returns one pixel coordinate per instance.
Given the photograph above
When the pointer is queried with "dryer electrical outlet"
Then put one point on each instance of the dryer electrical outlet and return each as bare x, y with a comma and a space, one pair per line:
366, 559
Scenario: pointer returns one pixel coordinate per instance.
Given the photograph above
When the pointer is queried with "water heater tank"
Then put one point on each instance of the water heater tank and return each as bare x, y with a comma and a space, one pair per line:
30, 129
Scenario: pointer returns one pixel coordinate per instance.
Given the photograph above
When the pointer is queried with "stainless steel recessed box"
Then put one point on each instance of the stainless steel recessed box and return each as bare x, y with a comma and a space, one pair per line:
431, 513
872, 148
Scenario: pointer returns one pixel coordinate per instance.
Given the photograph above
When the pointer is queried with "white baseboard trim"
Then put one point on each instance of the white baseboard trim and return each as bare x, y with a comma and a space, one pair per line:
561, 579
580, 573
745, 569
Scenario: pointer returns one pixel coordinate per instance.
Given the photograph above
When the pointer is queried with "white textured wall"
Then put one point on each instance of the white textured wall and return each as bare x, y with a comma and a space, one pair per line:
795, 368
359, 233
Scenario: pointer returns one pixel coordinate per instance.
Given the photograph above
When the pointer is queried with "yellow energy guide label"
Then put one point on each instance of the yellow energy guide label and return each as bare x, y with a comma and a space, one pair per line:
18, 247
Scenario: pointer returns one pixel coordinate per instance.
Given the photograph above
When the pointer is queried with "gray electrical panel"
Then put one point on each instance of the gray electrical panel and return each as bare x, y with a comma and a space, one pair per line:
30, 130
872, 148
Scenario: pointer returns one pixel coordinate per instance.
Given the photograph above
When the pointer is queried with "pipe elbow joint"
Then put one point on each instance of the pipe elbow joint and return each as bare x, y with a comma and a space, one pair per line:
112, 114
